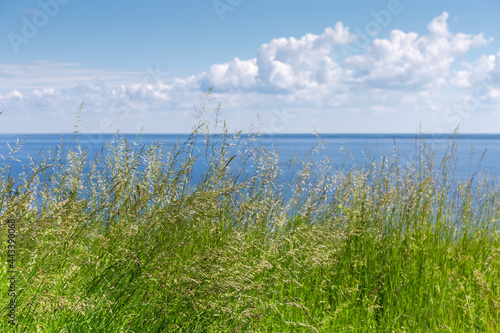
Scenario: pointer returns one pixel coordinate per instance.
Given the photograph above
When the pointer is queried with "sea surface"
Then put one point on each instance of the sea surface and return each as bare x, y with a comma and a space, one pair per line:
475, 152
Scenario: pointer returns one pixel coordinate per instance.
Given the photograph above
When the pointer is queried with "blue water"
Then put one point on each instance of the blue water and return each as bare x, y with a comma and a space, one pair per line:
470, 147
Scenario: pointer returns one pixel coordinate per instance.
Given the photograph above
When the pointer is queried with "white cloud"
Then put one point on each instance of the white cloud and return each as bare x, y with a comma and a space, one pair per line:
474, 73
282, 65
482, 78
236, 74
402, 79
407, 60
14, 94
57, 75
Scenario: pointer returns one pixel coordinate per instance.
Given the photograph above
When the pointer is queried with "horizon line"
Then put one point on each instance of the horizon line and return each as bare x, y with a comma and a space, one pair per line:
264, 134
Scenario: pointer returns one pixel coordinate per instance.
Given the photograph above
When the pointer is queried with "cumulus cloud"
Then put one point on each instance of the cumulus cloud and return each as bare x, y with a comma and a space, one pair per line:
473, 73
412, 61
282, 65
403, 60
406, 73
231, 76
482, 77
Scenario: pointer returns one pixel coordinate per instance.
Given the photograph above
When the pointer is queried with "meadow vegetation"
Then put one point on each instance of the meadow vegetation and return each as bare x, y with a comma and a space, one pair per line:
128, 241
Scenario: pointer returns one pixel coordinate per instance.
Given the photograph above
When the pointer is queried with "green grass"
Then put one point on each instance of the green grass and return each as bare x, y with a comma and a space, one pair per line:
137, 245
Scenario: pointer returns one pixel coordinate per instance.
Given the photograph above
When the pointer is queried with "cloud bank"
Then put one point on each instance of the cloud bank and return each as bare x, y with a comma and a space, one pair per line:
391, 86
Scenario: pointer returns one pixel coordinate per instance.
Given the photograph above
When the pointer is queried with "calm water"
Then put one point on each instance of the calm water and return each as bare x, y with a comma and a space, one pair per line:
469, 152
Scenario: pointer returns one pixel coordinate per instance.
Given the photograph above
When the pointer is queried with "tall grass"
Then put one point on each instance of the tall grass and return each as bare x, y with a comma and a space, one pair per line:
129, 241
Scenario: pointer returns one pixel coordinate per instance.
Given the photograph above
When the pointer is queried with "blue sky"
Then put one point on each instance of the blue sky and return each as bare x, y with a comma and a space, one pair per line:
353, 67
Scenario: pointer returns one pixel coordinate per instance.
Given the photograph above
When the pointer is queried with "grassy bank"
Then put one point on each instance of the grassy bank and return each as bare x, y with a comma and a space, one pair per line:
137, 245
